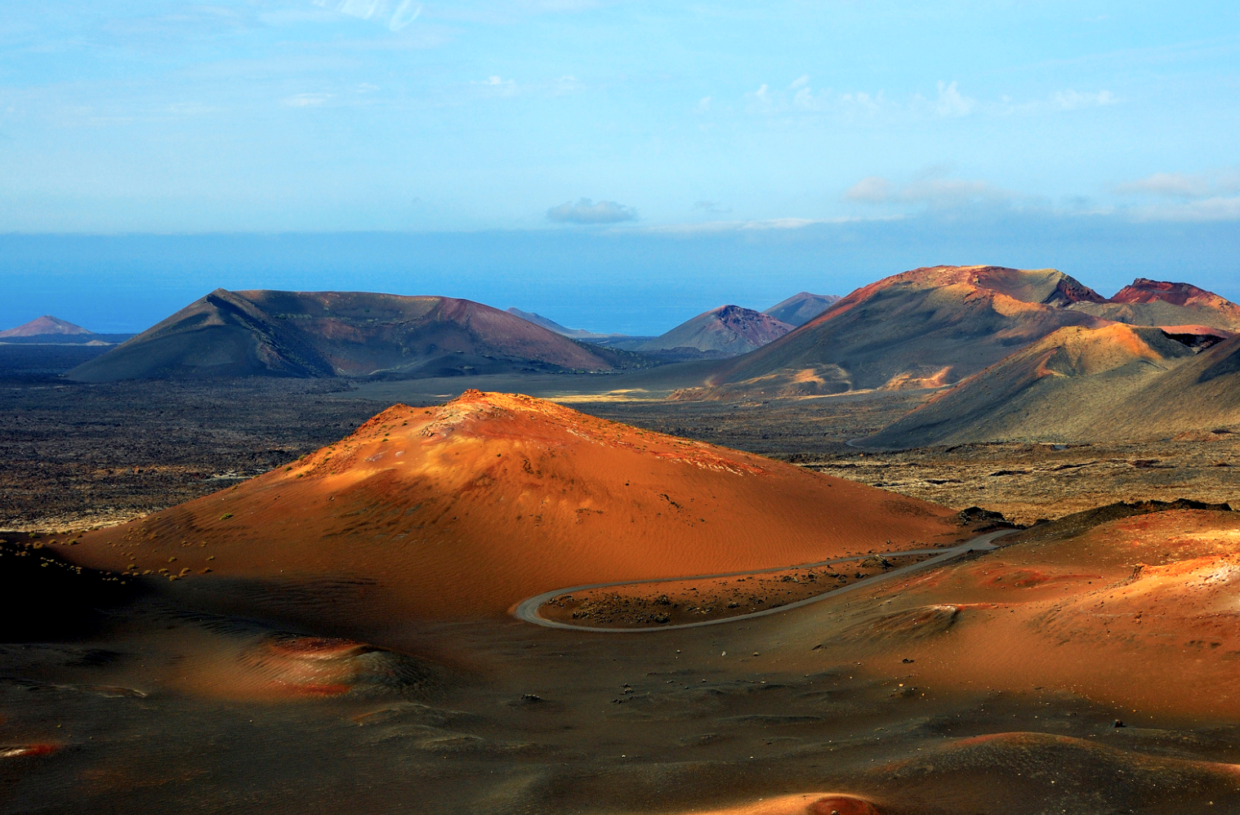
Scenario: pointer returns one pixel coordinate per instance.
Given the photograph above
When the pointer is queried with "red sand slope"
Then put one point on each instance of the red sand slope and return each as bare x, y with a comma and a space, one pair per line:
468, 508
1158, 302
1139, 613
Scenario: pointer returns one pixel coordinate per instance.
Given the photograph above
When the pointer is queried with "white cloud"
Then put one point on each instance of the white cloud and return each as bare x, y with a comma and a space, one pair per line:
1217, 208
863, 101
395, 14
871, 190
761, 100
932, 188
1181, 185
1168, 185
804, 99
941, 192
1058, 102
305, 100
585, 211
190, 108
951, 103
496, 86
1074, 100
759, 225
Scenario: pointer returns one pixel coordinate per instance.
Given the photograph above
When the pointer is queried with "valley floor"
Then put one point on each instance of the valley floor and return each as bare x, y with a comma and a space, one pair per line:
81, 455
1086, 666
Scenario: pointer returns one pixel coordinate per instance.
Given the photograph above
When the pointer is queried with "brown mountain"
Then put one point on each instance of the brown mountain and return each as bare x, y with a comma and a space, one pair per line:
325, 334
1155, 302
1068, 386
924, 328
1126, 383
467, 508
723, 331
800, 308
44, 326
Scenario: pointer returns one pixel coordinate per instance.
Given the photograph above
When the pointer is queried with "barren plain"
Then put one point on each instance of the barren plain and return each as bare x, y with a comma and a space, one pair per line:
1001, 682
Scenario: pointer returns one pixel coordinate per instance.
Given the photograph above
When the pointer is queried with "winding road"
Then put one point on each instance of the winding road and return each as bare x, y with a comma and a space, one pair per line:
527, 610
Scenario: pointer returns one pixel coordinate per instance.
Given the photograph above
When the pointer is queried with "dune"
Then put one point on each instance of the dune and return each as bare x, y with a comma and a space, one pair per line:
465, 509
723, 331
328, 334
927, 327
802, 307
1082, 384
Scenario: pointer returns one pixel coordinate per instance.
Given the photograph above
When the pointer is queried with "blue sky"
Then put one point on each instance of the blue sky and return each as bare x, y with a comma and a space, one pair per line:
656, 125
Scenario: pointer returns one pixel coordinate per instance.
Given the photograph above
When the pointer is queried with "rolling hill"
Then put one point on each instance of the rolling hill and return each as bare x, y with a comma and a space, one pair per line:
354, 334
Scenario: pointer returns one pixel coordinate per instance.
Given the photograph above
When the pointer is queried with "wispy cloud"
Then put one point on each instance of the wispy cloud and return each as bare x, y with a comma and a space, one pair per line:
395, 14
951, 103
761, 100
1075, 100
1184, 185
932, 188
1206, 196
1170, 185
873, 189
585, 211
305, 100
760, 225
1060, 101
800, 97
190, 108
1217, 208
495, 85
711, 207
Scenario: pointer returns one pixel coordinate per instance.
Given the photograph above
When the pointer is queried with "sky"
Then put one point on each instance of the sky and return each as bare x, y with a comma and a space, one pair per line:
615, 165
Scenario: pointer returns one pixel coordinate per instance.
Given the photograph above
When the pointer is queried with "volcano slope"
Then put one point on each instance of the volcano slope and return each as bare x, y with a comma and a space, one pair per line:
465, 509
327, 334
802, 307
924, 328
1116, 382
989, 686
45, 326
1132, 604
1159, 302
723, 331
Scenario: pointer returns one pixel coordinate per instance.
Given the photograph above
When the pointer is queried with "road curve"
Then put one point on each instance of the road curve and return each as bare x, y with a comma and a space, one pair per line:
527, 610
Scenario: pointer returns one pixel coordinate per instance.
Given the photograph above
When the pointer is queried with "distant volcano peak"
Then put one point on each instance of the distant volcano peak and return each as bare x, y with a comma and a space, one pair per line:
46, 325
